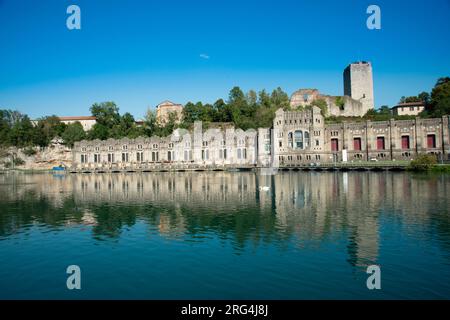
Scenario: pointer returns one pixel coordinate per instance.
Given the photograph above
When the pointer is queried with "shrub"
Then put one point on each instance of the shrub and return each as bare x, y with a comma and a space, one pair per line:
29, 152
424, 162
18, 161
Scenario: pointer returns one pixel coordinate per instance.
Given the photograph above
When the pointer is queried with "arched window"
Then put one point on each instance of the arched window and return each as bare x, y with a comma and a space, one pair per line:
298, 136
306, 139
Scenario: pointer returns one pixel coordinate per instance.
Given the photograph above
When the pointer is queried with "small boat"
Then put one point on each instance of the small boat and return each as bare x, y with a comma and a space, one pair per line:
59, 168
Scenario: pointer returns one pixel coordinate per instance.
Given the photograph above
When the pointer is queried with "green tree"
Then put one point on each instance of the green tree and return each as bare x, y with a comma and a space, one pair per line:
106, 113
74, 132
47, 129
98, 131
322, 105
440, 98
279, 99
340, 102
150, 122
22, 132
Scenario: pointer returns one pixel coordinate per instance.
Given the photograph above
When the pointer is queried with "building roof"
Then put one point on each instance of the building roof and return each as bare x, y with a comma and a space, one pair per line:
77, 118
410, 104
168, 103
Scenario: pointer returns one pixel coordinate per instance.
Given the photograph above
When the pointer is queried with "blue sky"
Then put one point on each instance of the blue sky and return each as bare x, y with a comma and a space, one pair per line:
139, 53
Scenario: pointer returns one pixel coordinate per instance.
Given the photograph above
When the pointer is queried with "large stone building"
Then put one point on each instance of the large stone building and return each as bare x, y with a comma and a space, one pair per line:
298, 137
303, 137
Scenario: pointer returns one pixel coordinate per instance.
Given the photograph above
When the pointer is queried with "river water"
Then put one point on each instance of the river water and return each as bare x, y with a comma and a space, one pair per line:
219, 235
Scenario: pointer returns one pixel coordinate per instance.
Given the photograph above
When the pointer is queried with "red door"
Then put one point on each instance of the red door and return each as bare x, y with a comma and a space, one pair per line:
431, 141
380, 143
334, 145
357, 144
405, 142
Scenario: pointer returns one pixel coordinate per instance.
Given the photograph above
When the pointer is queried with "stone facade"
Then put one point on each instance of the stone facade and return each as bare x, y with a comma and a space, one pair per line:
298, 138
347, 107
213, 147
303, 138
164, 109
408, 109
358, 83
357, 98
87, 122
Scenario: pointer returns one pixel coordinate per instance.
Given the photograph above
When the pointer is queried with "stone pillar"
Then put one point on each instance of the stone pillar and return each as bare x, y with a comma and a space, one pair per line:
445, 129
419, 134
368, 145
392, 137
197, 143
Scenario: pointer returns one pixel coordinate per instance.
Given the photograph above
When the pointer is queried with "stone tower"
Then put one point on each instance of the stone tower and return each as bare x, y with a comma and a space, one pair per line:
358, 83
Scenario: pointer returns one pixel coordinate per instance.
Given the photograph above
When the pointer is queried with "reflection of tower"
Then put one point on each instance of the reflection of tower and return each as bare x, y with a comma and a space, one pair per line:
364, 242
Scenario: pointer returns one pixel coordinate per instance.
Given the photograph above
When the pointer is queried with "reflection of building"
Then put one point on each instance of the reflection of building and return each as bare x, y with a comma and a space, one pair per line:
310, 207
408, 109
165, 109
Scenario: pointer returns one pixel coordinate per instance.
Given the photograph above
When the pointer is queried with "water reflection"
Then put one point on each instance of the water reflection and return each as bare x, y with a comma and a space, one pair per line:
249, 209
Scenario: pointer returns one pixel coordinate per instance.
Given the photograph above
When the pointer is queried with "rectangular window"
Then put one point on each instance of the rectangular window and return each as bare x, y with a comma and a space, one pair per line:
431, 141
224, 153
238, 153
186, 155
244, 153
334, 145
357, 144
124, 157
405, 142
169, 155
380, 143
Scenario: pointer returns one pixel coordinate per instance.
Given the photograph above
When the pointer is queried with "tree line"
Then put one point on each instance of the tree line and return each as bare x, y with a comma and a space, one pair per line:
244, 110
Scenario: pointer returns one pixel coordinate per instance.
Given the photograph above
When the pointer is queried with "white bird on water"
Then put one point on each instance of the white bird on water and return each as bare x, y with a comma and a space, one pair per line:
264, 188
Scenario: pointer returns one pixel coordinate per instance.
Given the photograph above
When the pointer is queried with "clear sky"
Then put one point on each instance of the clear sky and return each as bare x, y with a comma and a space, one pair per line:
139, 53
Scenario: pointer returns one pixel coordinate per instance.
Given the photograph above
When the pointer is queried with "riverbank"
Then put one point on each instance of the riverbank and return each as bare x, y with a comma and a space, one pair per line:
362, 166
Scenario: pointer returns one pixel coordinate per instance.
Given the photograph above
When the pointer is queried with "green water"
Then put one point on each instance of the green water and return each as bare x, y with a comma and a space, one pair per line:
215, 235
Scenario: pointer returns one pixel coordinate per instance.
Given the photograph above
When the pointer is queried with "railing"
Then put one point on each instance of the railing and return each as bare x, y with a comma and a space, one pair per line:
355, 164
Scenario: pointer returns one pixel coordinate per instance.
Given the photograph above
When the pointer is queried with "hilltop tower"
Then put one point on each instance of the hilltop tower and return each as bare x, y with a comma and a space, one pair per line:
358, 83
